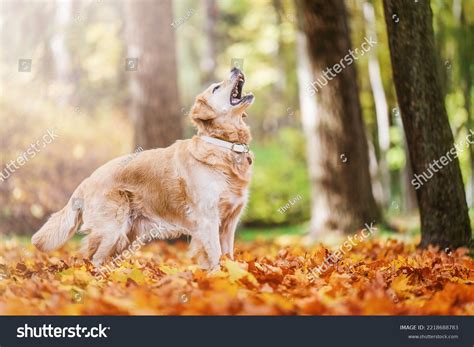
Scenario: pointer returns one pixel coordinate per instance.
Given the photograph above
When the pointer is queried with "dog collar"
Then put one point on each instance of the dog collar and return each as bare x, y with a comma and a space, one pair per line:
235, 147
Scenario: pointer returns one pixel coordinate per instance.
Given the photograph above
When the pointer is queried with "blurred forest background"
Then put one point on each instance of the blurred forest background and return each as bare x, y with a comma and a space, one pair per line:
83, 60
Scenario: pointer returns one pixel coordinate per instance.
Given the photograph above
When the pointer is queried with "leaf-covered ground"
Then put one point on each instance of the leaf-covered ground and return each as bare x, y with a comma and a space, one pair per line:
267, 278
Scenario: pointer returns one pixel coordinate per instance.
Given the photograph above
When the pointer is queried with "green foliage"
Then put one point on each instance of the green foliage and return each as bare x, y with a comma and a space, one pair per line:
250, 234
396, 154
279, 176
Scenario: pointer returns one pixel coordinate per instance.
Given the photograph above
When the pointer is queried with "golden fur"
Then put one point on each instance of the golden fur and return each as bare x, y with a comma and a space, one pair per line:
191, 187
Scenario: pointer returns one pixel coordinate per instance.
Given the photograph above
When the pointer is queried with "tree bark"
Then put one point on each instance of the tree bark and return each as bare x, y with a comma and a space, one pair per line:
408, 191
465, 47
374, 171
210, 54
442, 202
342, 198
380, 101
470, 124
153, 83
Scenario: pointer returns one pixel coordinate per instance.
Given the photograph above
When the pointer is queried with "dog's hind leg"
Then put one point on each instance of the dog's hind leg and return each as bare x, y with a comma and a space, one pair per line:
110, 228
114, 241
196, 250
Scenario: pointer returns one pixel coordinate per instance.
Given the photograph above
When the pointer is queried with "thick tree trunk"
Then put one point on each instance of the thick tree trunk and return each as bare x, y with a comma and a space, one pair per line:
208, 62
443, 209
153, 83
342, 198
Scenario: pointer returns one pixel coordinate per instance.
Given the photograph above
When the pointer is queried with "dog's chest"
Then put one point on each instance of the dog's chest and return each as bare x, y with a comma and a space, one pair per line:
233, 199
235, 194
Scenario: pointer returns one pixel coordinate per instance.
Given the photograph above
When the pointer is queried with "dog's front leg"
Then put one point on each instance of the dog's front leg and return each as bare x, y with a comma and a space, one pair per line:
227, 232
208, 235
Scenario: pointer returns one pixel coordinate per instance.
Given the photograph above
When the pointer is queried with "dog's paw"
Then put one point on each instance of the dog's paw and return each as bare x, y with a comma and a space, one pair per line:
97, 262
214, 270
203, 262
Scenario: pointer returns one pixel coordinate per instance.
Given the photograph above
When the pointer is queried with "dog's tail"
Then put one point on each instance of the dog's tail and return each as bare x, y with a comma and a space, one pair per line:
60, 227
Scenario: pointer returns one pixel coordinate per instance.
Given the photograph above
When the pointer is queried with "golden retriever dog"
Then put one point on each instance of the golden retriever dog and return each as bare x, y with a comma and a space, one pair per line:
196, 187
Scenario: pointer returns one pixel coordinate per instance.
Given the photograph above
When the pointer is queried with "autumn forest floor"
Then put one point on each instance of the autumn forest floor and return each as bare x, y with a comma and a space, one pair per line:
268, 277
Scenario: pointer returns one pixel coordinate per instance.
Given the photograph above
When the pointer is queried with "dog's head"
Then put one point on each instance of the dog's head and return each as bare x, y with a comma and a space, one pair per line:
220, 109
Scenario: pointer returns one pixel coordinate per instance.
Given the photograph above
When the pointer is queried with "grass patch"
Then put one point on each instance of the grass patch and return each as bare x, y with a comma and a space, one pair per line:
250, 234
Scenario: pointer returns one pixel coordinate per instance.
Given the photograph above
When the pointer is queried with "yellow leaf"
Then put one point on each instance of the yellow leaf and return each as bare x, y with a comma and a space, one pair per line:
400, 284
238, 271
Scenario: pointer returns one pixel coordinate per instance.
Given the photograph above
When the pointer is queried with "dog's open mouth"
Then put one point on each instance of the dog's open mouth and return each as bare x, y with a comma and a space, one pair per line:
236, 94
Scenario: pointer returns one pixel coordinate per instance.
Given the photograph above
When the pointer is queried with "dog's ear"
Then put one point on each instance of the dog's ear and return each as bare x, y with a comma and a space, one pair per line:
201, 111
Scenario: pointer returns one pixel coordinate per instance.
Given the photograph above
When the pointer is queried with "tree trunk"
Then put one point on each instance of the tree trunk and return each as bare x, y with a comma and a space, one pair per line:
342, 198
381, 107
60, 52
408, 191
443, 209
153, 78
465, 47
467, 102
280, 84
209, 57
374, 171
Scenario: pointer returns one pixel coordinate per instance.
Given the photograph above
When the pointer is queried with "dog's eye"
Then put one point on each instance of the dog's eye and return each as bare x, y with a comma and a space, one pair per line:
215, 88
